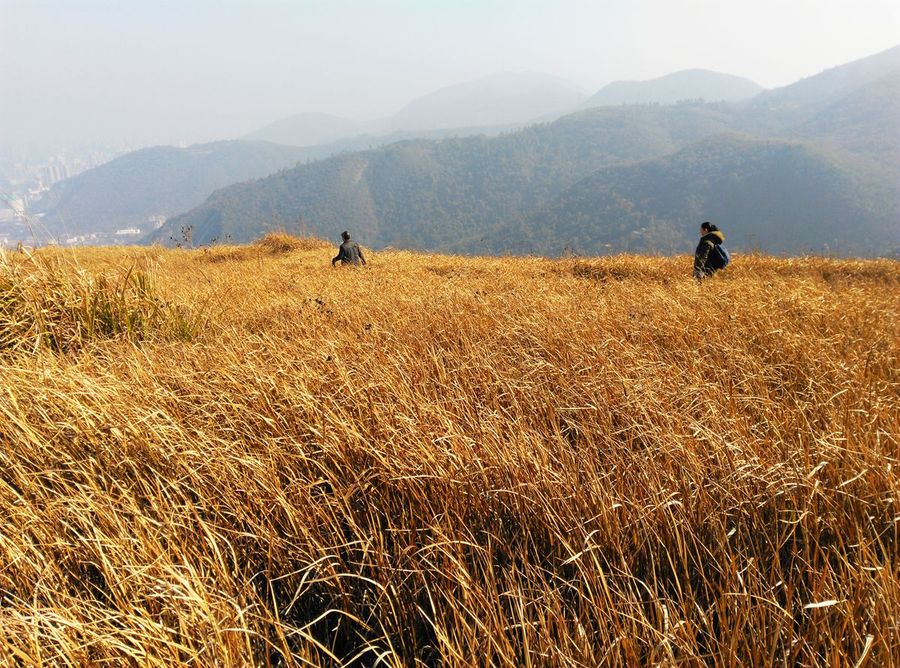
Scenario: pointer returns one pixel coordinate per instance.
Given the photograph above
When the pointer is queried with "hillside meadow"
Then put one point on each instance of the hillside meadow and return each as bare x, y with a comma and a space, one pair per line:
240, 456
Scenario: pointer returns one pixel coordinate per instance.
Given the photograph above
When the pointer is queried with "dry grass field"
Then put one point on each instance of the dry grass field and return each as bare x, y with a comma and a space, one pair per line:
240, 456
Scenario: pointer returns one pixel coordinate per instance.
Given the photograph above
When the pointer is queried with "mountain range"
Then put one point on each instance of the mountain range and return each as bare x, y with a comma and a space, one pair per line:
156, 181
776, 195
433, 194
501, 101
590, 181
801, 101
793, 170
165, 180
694, 85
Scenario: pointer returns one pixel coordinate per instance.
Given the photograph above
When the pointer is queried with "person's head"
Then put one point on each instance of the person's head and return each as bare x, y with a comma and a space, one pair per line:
345, 235
707, 227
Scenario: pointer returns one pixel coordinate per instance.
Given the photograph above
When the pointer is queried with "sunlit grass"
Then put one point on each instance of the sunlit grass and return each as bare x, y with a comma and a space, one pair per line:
444, 460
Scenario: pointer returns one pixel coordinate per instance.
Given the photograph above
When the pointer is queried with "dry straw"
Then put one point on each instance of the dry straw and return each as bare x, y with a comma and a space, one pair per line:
446, 461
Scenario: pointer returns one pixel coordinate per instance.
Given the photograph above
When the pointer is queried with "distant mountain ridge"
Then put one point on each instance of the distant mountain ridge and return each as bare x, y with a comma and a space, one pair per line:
672, 88
161, 180
792, 105
502, 100
783, 196
866, 121
489, 106
432, 194
612, 177
467, 189
308, 129
506, 100
495, 100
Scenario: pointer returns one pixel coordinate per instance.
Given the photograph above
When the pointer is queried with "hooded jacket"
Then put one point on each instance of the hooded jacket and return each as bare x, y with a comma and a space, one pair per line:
701, 256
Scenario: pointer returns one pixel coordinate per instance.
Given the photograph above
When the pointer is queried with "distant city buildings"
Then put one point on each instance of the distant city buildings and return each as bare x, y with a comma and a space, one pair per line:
54, 171
82, 240
26, 181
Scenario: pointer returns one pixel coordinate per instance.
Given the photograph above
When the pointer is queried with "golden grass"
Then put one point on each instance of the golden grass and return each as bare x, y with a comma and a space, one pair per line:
273, 243
448, 461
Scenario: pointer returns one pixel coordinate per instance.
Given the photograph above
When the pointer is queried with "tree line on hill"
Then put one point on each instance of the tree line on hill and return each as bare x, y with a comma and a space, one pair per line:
812, 166
156, 181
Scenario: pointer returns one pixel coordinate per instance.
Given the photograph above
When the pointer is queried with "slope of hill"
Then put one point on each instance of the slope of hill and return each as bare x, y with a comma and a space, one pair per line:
371, 140
432, 194
675, 87
457, 193
773, 195
491, 104
865, 122
309, 129
162, 180
499, 99
785, 108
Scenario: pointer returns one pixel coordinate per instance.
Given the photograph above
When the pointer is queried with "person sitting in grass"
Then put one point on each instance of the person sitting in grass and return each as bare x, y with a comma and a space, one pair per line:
349, 252
711, 254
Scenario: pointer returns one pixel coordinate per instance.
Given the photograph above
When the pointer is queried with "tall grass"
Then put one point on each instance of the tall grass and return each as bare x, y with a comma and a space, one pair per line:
449, 461
51, 301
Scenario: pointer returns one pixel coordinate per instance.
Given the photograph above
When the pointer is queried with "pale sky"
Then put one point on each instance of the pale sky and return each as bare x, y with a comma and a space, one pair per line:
197, 70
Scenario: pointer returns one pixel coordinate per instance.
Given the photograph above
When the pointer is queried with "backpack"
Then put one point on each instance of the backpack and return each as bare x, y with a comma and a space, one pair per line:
719, 257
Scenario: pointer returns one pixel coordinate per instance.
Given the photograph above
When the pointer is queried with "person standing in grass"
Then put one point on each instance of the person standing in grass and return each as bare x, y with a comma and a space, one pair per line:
349, 252
711, 254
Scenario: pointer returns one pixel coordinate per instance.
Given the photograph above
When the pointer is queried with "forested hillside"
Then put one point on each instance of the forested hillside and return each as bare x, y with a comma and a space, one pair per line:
432, 194
778, 195
789, 107
161, 180
817, 168
866, 122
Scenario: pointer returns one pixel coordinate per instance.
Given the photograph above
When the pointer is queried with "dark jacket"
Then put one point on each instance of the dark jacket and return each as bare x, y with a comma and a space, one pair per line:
701, 256
349, 253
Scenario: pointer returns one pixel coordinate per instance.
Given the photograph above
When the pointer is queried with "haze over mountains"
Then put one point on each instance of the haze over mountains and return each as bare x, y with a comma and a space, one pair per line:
437, 194
639, 177
503, 100
864, 122
167, 180
591, 181
696, 85
801, 101
307, 129
781, 196
157, 181
498, 100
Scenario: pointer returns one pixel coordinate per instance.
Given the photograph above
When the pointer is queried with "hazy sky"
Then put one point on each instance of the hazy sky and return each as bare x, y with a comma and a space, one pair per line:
196, 70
